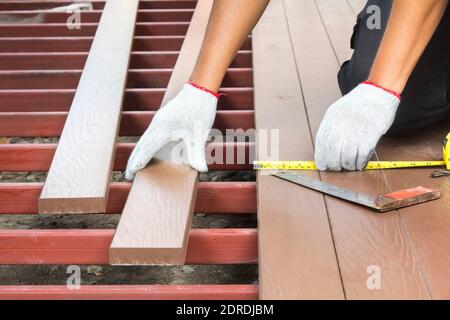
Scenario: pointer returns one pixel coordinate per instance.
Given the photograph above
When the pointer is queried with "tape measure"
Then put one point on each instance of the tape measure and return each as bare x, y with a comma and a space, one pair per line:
372, 165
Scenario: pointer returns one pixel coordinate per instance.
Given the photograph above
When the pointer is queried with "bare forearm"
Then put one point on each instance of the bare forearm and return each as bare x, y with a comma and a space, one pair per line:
410, 28
230, 23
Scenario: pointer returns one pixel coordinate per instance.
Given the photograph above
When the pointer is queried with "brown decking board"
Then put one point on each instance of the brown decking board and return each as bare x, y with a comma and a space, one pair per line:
428, 225
361, 239
169, 203
71, 246
297, 258
79, 177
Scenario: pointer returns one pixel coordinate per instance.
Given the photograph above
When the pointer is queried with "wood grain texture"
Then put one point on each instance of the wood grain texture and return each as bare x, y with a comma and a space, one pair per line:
362, 239
168, 205
165, 227
428, 225
79, 177
357, 5
297, 258
333, 12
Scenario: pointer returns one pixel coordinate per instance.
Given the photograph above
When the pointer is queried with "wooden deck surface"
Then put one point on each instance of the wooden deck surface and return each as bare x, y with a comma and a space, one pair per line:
308, 246
406, 250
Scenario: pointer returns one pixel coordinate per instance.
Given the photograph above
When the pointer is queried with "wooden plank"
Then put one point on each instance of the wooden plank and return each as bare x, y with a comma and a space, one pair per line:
90, 246
78, 179
297, 258
363, 240
133, 292
333, 13
212, 197
428, 225
357, 5
154, 229
163, 193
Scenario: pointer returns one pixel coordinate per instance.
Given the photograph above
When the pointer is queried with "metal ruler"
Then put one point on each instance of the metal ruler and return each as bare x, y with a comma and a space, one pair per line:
381, 203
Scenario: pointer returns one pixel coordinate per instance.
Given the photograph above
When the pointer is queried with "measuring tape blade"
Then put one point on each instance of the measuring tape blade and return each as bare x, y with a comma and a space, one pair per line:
372, 165
284, 165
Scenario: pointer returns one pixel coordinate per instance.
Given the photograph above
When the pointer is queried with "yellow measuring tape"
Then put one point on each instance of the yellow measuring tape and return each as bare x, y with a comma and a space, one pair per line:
372, 165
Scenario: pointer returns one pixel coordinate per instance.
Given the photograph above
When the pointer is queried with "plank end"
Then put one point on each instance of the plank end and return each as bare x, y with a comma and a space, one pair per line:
147, 256
156, 220
72, 205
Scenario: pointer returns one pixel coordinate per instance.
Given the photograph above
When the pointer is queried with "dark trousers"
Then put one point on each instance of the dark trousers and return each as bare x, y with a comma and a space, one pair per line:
426, 98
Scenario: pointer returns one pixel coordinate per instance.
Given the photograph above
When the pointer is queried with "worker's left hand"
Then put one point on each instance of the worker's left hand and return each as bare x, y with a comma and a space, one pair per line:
352, 127
188, 117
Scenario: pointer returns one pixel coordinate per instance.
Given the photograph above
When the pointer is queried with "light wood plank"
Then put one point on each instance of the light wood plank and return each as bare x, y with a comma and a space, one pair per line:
357, 5
155, 230
333, 13
363, 240
81, 169
296, 251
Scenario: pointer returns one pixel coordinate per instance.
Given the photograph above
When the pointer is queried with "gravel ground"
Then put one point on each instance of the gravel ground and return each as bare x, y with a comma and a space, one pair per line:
210, 274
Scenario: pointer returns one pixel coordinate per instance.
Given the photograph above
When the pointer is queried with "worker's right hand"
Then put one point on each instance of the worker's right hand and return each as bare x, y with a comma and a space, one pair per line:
188, 117
352, 127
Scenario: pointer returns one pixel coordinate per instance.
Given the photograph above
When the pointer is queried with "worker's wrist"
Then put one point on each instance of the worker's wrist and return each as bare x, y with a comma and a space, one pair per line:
381, 87
389, 81
205, 89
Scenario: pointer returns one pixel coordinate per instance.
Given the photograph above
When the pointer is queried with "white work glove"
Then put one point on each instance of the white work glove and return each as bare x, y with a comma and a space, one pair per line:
188, 117
352, 127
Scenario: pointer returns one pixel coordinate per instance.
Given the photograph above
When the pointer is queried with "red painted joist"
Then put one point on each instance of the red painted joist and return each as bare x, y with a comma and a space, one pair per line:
76, 60
131, 292
46, 4
144, 15
137, 78
134, 123
212, 197
148, 99
43, 4
83, 44
38, 157
90, 246
88, 29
